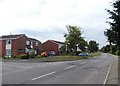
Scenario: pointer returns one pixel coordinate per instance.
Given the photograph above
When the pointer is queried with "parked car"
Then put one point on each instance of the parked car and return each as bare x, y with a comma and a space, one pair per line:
83, 54
51, 53
44, 54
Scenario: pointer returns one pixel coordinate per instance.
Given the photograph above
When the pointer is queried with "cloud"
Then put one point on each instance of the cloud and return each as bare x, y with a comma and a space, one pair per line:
47, 19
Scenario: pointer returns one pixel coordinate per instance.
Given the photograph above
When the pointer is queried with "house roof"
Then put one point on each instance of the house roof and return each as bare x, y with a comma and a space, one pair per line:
34, 40
57, 42
11, 36
17, 36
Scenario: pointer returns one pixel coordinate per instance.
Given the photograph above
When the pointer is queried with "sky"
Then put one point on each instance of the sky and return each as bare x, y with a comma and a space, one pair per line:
47, 19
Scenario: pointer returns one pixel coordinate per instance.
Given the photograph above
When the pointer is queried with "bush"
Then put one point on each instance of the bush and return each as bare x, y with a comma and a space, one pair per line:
117, 52
111, 52
32, 54
24, 56
38, 56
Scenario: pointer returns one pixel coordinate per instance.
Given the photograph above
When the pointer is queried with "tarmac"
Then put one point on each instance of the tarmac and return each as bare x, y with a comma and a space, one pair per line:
114, 77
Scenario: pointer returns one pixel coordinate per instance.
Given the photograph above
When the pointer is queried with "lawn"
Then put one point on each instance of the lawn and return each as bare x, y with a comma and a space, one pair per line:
62, 58
69, 58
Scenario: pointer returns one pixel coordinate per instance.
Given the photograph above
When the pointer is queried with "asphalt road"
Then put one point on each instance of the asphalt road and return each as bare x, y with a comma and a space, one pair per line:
88, 71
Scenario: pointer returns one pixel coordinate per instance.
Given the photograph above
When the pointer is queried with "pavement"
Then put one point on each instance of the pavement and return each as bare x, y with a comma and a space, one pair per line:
87, 71
113, 76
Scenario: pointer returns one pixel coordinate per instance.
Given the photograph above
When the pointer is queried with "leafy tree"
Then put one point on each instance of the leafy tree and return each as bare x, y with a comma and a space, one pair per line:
82, 45
114, 24
73, 39
110, 36
63, 49
93, 46
107, 49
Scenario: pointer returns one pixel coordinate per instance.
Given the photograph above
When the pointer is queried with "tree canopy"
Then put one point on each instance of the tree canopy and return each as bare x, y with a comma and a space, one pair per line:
113, 33
73, 39
93, 46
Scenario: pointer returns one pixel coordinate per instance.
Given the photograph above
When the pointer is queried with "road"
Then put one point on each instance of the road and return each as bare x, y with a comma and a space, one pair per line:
88, 71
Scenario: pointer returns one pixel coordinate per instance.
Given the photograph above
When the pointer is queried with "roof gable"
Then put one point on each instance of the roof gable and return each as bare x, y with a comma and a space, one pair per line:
34, 40
11, 36
57, 42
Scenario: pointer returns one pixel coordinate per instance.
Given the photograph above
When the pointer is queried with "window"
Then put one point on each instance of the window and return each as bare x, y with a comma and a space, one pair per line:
20, 50
36, 43
8, 42
27, 42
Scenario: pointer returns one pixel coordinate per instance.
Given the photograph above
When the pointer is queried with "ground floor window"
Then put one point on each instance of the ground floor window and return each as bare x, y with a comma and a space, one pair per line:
8, 52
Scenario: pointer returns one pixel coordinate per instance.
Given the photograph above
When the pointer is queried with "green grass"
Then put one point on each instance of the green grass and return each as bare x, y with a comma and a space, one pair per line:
61, 58
95, 54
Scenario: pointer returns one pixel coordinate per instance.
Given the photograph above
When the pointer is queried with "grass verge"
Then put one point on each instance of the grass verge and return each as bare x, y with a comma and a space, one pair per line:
62, 58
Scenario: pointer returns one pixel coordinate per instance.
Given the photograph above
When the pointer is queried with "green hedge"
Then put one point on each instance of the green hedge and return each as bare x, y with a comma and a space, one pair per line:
32, 54
38, 56
24, 56
117, 52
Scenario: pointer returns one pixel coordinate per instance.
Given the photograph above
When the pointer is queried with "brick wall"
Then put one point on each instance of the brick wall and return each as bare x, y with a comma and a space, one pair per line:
50, 46
2, 48
17, 44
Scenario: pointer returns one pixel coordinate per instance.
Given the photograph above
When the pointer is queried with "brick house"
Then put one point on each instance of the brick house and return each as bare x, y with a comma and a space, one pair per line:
52, 45
14, 45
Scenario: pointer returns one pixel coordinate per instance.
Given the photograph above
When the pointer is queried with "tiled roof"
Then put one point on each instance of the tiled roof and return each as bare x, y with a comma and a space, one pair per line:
57, 42
16, 36
32, 39
11, 36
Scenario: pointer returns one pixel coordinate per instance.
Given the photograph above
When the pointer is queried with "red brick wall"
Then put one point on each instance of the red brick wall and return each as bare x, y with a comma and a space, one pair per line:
50, 46
37, 47
19, 43
2, 48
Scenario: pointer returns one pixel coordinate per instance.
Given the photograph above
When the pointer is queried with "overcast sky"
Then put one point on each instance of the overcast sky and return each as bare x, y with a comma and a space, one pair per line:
47, 19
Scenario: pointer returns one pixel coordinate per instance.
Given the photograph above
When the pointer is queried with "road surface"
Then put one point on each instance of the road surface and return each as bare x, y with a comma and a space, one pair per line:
88, 71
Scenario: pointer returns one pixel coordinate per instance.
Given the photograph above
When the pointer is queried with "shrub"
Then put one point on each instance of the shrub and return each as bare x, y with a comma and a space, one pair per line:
111, 52
24, 56
117, 52
32, 54
38, 56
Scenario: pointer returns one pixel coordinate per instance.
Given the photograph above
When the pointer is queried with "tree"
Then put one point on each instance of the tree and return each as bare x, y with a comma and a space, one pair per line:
63, 49
114, 24
73, 39
107, 49
110, 36
82, 45
93, 46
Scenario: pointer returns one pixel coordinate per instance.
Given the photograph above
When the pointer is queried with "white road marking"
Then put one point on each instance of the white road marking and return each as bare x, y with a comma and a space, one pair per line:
83, 63
44, 75
108, 73
70, 67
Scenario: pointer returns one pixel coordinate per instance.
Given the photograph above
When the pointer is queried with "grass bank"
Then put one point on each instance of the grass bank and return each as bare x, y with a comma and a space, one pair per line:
61, 58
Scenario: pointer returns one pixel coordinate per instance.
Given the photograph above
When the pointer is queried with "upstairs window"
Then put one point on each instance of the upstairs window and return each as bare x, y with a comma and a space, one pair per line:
8, 42
27, 42
36, 43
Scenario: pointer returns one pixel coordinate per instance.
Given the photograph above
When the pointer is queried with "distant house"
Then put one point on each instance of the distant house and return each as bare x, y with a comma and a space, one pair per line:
14, 45
52, 45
